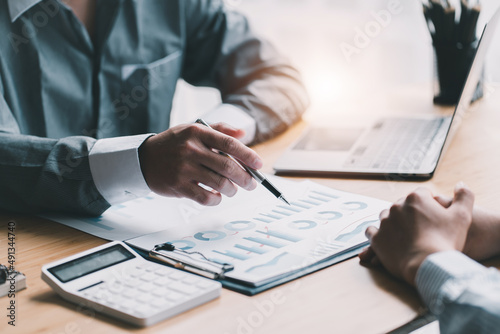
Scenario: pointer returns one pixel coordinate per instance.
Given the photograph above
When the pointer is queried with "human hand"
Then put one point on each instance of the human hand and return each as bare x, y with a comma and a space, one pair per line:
175, 161
483, 238
416, 227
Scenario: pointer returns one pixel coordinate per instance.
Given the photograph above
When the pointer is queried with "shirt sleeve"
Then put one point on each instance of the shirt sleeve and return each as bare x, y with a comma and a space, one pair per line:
463, 294
222, 51
235, 117
45, 174
116, 170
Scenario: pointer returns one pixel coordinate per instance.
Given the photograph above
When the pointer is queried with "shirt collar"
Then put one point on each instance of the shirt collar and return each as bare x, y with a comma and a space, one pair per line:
19, 7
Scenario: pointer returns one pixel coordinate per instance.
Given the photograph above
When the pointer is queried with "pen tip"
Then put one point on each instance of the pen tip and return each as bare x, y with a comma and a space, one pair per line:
284, 200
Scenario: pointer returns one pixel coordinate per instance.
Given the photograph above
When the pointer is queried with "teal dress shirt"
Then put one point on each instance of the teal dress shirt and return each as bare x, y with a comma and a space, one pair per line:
60, 90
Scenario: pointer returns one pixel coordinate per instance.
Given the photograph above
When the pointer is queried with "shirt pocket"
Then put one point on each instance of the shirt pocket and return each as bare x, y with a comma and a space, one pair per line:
148, 90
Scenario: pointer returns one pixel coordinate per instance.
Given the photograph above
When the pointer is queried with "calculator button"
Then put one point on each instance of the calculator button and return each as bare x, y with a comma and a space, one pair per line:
148, 277
101, 295
161, 281
205, 284
130, 293
177, 275
132, 282
160, 292
162, 272
106, 296
136, 272
143, 298
115, 287
151, 267
183, 288
146, 287
190, 280
174, 296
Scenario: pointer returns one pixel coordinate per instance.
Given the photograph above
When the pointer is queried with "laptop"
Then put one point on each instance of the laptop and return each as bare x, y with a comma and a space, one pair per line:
393, 148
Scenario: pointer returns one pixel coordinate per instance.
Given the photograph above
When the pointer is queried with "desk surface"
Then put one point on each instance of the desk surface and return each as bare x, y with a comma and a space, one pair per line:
345, 298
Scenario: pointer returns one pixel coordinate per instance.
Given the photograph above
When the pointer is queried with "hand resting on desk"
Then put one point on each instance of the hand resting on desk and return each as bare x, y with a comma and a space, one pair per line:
421, 239
416, 227
482, 235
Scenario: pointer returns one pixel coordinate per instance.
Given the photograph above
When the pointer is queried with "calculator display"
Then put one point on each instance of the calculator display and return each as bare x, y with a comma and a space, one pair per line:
91, 263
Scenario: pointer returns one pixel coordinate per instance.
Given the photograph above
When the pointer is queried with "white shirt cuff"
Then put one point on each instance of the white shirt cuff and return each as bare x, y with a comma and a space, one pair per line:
235, 117
438, 276
116, 170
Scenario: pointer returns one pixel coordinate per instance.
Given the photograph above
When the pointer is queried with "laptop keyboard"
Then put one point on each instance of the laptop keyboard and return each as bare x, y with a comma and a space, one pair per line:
395, 144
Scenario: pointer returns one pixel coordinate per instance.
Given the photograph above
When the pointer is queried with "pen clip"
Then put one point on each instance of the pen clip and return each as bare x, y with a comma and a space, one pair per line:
181, 259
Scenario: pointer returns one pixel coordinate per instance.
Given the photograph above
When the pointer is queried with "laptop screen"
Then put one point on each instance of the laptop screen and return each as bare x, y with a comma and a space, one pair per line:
475, 72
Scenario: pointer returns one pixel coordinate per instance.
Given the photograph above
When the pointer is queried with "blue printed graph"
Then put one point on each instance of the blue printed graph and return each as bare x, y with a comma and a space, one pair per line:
354, 206
210, 235
281, 235
266, 242
188, 244
358, 230
234, 255
329, 215
251, 249
302, 224
240, 225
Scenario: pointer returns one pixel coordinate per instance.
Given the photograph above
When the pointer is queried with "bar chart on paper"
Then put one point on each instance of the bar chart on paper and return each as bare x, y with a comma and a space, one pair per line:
265, 239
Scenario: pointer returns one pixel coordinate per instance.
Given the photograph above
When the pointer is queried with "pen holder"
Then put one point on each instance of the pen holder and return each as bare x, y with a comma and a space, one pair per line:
451, 67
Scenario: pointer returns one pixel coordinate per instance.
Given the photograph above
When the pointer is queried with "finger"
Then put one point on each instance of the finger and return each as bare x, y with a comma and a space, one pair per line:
370, 232
367, 255
463, 196
227, 168
375, 262
196, 193
228, 130
445, 201
419, 195
232, 146
401, 201
216, 181
368, 258
384, 214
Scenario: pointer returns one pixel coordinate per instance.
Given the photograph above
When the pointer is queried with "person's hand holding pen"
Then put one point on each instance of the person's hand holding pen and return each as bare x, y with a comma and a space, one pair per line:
177, 160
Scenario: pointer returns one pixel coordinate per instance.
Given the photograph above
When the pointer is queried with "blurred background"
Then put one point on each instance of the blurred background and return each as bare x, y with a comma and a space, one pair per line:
344, 80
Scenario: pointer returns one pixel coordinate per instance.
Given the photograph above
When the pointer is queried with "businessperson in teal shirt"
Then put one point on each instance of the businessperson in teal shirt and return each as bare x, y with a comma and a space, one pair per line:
86, 89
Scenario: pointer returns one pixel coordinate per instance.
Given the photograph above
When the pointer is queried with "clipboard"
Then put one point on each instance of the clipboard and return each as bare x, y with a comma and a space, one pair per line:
216, 271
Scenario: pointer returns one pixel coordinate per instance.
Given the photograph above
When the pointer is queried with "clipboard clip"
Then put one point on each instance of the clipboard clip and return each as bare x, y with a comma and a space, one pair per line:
194, 262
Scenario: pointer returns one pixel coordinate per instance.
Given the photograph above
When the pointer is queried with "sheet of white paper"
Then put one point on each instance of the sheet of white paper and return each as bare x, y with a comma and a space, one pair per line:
266, 239
154, 213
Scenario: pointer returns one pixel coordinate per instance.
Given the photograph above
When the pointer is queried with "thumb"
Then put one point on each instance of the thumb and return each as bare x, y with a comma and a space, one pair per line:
228, 130
463, 196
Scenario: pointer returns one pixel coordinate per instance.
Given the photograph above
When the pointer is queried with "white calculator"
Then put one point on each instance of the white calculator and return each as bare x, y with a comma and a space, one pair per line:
115, 280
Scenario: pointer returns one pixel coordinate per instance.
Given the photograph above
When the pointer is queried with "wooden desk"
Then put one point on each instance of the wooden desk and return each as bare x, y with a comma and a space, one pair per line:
345, 298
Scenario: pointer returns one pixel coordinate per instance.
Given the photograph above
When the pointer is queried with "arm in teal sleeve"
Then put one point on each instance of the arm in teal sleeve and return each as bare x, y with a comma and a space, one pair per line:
43, 175
464, 295
223, 52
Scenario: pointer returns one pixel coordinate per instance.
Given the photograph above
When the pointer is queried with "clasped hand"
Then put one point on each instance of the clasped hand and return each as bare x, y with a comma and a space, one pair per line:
418, 226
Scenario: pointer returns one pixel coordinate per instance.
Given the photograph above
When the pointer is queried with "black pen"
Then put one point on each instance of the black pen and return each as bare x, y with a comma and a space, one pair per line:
258, 176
